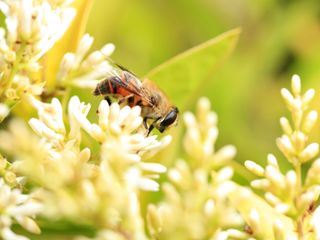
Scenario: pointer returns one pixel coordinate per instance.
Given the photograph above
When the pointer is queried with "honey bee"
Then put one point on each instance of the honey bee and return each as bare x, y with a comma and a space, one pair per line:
128, 88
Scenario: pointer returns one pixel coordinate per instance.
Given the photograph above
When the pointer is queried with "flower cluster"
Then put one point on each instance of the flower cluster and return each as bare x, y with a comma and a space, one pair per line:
290, 194
71, 179
79, 70
96, 169
196, 204
123, 141
32, 28
17, 207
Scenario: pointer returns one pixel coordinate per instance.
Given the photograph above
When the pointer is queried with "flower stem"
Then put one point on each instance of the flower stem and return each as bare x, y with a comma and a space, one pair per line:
298, 173
7, 79
300, 229
65, 98
299, 187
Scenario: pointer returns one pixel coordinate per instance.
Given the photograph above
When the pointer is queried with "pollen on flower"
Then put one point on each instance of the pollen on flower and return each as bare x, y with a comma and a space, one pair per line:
32, 28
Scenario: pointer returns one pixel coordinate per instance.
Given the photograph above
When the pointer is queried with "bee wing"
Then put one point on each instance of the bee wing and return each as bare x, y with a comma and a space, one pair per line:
121, 76
124, 69
132, 84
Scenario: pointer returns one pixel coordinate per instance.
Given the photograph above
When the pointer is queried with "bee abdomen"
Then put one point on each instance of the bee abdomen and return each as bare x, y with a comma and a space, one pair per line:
107, 86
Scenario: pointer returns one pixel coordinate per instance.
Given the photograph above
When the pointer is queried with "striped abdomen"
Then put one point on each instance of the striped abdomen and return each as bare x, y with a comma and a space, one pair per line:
107, 86
115, 87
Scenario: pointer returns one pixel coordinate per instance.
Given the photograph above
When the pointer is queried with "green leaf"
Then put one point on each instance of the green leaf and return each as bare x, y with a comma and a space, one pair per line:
183, 76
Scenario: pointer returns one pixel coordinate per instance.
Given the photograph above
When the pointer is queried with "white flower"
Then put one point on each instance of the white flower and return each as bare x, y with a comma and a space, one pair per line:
32, 28
123, 141
50, 124
16, 207
120, 133
201, 135
86, 71
37, 24
196, 200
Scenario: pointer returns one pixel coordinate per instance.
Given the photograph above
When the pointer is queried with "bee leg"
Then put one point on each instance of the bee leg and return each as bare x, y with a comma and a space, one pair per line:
129, 99
107, 98
145, 124
151, 127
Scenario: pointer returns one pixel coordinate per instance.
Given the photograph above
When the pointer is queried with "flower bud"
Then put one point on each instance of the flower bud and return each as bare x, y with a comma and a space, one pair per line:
296, 85
286, 128
309, 152
154, 220
310, 121
254, 168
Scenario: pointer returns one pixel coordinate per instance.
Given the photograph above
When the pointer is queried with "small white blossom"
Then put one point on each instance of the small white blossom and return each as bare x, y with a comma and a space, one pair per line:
123, 144
16, 207
196, 194
32, 28
287, 193
50, 124
37, 24
201, 135
78, 69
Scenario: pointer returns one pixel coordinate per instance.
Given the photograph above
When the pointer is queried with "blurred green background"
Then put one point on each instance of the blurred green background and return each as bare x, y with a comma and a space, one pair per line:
279, 38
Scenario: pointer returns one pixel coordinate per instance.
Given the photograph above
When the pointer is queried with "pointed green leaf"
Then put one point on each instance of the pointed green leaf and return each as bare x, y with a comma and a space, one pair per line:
183, 76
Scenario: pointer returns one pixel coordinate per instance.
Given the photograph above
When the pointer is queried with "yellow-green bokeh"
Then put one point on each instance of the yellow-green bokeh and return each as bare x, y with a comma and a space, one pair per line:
279, 38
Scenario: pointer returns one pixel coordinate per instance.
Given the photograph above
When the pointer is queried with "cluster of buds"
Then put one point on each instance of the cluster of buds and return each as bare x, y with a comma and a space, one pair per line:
19, 208
123, 142
200, 138
280, 189
108, 182
196, 204
16, 207
294, 142
85, 70
289, 194
32, 28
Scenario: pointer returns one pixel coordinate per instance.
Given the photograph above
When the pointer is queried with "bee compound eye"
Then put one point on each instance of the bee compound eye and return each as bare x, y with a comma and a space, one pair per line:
170, 118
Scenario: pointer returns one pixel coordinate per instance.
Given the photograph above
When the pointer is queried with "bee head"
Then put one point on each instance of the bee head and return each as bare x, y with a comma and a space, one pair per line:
169, 119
